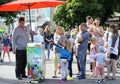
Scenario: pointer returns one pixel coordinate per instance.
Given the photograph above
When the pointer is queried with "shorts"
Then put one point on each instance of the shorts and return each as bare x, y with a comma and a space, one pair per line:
113, 56
6, 49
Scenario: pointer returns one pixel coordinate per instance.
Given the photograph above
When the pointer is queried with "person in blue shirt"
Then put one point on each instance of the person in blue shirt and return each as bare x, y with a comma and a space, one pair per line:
6, 46
47, 40
65, 56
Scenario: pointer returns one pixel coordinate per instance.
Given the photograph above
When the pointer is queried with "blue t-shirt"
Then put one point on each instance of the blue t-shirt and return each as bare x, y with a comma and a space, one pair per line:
64, 53
6, 42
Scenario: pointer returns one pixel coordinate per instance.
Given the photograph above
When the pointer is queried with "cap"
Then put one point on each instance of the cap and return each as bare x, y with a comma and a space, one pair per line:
101, 49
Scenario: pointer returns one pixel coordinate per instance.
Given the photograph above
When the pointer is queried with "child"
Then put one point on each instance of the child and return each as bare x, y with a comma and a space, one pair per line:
100, 60
65, 56
0, 50
93, 52
71, 39
39, 38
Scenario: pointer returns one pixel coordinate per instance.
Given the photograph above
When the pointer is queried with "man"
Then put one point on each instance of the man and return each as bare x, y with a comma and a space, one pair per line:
82, 38
20, 40
89, 21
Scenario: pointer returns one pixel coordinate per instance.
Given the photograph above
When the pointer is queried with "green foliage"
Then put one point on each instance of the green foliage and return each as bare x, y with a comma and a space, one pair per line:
8, 16
75, 11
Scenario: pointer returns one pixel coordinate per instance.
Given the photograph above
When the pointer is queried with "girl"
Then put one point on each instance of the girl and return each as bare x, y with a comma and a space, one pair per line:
47, 39
112, 50
65, 56
93, 52
6, 46
58, 36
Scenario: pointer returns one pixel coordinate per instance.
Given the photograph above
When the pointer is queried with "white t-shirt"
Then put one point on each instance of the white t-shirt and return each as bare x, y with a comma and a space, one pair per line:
115, 49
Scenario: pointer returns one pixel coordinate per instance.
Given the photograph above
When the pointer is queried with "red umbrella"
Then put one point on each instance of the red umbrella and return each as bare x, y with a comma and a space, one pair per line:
19, 5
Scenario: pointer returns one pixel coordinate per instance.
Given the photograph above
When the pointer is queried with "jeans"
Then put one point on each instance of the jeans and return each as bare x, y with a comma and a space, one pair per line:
82, 56
48, 51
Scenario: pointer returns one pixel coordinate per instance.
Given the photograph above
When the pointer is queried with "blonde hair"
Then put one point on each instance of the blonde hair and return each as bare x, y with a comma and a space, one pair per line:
68, 44
47, 31
40, 30
60, 30
93, 39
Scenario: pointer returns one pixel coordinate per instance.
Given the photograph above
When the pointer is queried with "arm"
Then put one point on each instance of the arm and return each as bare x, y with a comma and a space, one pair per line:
114, 38
57, 45
101, 32
84, 36
80, 39
14, 39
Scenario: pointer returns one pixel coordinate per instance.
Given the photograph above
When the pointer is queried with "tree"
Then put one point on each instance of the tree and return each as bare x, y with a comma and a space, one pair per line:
8, 16
76, 11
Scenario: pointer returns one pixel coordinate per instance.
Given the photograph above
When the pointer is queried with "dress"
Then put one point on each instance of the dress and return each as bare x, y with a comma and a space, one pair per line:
93, 52
99, 38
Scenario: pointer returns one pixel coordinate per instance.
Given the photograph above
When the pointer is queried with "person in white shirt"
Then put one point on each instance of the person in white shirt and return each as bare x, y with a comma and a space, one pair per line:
112, 50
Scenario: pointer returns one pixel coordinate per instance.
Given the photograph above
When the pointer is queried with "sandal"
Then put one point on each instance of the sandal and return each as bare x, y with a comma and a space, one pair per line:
112, 78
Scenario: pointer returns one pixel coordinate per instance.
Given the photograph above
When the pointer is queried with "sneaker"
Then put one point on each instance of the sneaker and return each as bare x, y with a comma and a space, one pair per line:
69, 78
19, 78
81, 77
97, 81
24, 76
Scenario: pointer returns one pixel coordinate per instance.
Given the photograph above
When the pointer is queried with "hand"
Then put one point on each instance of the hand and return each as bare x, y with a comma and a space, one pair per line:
108, 55
66, 62
14, 51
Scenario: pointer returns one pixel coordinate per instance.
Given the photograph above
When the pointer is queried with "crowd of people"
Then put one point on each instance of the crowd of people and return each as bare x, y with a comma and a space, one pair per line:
90, 39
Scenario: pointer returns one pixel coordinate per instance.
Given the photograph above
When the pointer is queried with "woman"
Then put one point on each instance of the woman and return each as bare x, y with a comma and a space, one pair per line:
47, 39
59, 37
97, 31
112, 50
6, 46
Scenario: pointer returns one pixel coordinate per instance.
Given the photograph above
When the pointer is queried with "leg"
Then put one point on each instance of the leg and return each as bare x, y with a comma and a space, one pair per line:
3, 55
8, 50
114, 69
24, 58
18, 69
70, 68
108, 69
102, 72
48, 51
58, 63
78, 65
55, 64
63, 68
82, 65
9, 57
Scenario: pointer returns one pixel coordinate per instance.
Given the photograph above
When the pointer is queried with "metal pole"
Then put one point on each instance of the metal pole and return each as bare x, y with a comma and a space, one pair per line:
29, 17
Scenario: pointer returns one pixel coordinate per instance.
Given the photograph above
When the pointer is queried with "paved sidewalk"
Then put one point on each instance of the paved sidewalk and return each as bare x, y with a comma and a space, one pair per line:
7, 75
